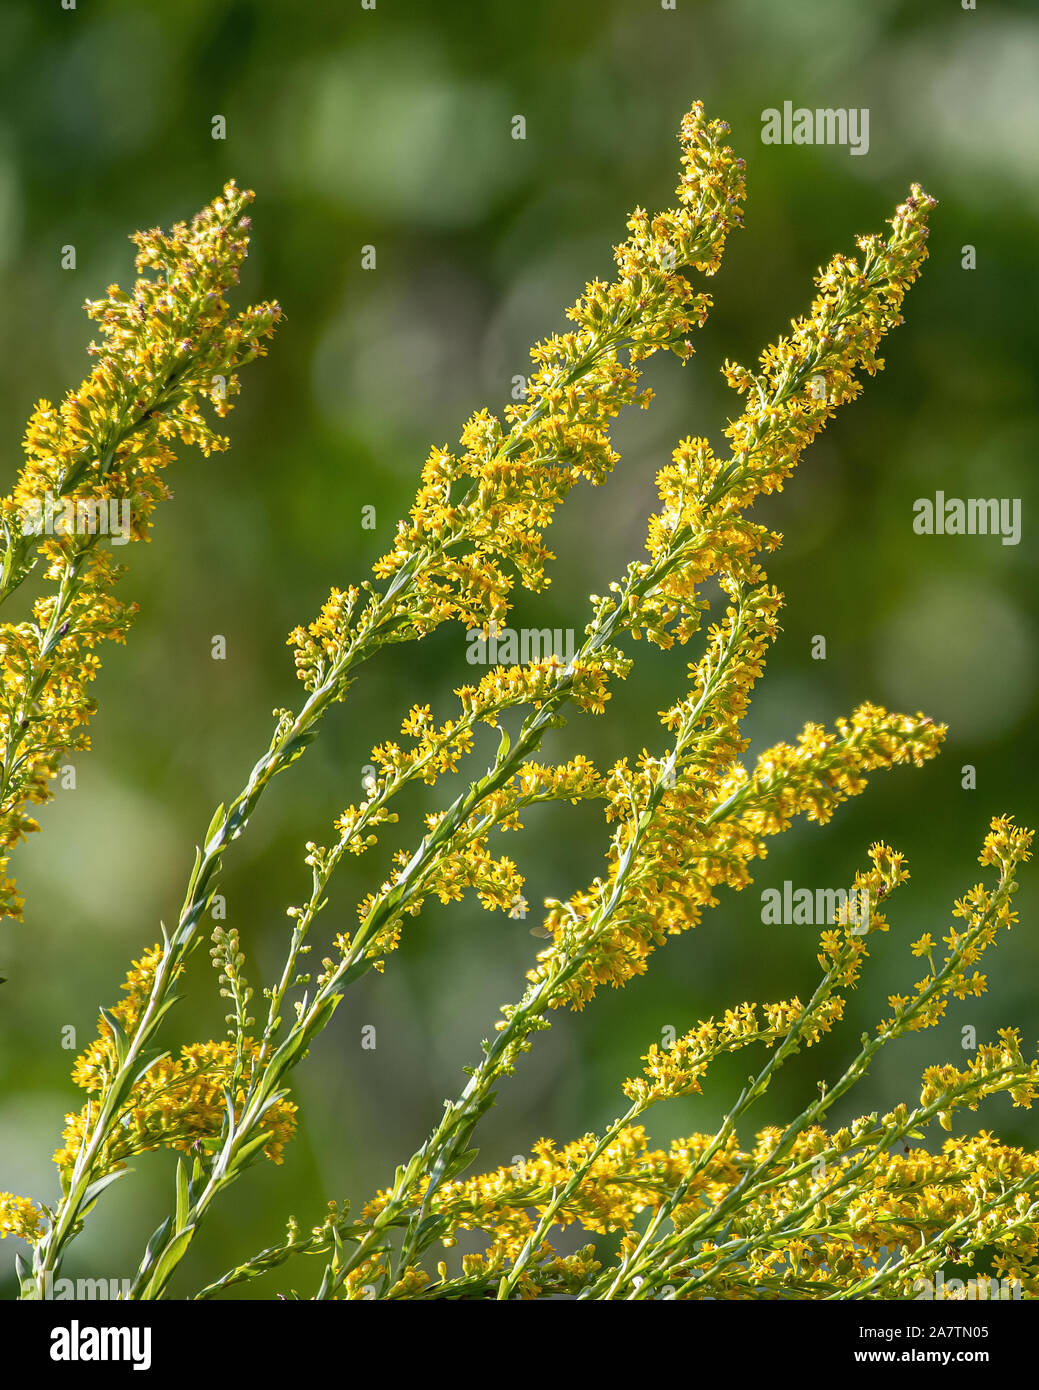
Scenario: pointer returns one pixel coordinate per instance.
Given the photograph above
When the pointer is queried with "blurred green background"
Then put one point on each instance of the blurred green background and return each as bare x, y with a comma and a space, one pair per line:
392, 128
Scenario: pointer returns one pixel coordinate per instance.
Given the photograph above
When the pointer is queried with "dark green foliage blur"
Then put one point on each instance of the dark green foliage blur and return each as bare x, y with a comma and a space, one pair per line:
391, 128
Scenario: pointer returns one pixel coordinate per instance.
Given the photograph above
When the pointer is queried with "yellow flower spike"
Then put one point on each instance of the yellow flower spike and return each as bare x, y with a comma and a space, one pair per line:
175, 1104
500, 494
93, 469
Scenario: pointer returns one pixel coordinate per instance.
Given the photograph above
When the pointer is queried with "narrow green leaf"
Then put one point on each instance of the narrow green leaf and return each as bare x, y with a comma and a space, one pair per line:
99, 1184
182, 1194
154, 1244
122, 1042
429, 1229
168, 1260
215, 824
165, 1007
457, 1165
249, 1151
504, 746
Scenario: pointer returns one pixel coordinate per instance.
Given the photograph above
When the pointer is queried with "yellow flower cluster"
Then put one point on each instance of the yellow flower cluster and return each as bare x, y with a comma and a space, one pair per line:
676, 1070
805, 1212
698, 531
462, 859
820, 1220
806, 376
992, 1069
177, 1105
1006, 845
173, 1104
478, 518
585, 680
620, 1183
841, 954
168, 346
913, 1210
19, 1217
818, 1212
824, 769
705, 830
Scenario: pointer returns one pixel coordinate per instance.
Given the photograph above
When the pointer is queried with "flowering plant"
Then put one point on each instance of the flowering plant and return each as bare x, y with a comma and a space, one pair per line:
796, 1211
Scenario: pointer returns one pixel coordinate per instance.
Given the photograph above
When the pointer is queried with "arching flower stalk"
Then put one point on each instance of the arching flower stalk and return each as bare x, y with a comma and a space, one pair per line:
94, 469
